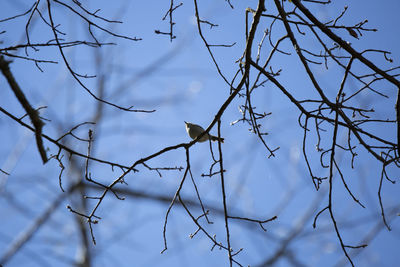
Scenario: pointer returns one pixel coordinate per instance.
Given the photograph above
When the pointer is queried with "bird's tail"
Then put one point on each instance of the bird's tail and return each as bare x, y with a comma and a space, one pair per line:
215, 138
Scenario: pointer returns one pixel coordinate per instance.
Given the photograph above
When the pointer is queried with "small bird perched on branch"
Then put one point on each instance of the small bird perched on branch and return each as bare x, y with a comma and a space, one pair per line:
195, 130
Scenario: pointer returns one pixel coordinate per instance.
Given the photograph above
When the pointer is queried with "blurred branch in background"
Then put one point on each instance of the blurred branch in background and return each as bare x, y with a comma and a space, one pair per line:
32, 113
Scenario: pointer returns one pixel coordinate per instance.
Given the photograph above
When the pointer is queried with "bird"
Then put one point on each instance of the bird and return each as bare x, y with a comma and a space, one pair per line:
195, 130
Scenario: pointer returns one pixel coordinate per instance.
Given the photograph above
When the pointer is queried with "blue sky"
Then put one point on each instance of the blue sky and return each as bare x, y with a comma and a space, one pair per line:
179, 80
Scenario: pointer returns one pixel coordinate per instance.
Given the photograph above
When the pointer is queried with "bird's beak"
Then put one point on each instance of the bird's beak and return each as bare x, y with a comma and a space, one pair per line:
185, 122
